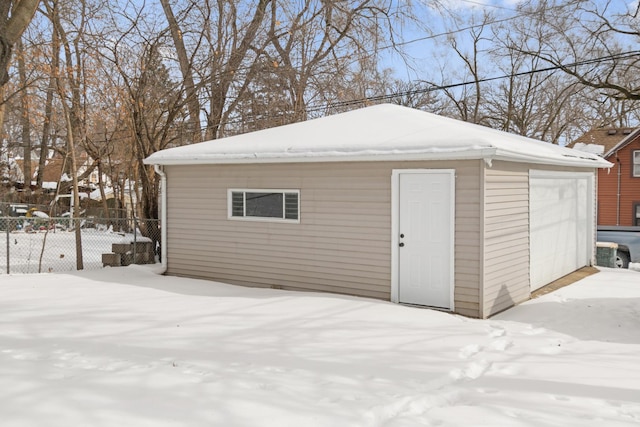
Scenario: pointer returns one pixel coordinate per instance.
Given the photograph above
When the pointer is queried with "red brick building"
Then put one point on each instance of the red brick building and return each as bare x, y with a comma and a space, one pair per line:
618, 187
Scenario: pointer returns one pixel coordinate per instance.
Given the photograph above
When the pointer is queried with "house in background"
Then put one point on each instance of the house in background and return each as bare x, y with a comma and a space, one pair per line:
56, 173
52, 172
618, 187
386, 202
10, 171
56, 169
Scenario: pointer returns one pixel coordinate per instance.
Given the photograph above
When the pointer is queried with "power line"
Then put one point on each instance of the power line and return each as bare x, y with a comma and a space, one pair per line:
488, 79
495, 6
434, 88
431, 88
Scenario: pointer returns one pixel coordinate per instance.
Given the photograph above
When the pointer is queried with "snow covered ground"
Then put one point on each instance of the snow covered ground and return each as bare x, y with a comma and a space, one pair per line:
126, 347
58, 249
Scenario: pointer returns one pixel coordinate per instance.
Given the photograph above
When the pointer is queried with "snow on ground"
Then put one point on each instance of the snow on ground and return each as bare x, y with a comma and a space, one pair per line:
125, 347
59, 254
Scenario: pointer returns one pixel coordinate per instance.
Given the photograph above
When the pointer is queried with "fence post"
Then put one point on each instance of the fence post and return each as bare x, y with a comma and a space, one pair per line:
6, 226
135, 238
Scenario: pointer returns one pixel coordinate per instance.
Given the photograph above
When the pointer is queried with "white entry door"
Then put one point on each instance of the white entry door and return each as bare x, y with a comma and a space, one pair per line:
425, 238
561, 224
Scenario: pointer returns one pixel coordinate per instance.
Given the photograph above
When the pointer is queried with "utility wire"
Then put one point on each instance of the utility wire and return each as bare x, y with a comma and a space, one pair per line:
630, 54
431, 88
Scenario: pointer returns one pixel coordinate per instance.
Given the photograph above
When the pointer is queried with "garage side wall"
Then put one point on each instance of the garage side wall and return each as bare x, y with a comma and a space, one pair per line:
342, 243
506, 252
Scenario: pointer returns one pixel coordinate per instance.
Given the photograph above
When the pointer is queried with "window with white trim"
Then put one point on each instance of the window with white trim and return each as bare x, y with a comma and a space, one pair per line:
264, 205
636, 163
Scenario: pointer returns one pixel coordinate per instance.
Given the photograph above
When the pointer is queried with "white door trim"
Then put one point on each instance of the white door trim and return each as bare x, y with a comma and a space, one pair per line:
395, 238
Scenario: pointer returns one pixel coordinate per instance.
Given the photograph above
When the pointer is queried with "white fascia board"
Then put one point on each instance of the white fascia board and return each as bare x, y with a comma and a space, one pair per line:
486, 153
552, 161
465, 154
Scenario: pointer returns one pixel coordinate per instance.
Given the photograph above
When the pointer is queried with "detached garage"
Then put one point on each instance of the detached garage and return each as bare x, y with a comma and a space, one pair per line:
385, 202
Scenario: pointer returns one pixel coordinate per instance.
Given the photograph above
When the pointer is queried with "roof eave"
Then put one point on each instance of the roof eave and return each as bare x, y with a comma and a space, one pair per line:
633, 135
483, 153
567, 161
488, 153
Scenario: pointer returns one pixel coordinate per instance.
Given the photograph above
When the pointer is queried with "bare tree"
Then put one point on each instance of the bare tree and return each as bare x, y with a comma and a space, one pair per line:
186, 64
15, 16
25, 119
68, 82
320, 42
231, 37
592, 41
47, 122
463, 67
151, 108
529, 102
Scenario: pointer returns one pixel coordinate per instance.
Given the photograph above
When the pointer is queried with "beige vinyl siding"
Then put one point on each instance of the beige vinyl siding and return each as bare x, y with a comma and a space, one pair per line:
467, 237
506, 236
342, 243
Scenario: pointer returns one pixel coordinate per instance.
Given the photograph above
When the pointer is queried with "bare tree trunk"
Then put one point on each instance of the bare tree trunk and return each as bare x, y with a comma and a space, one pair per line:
103, 196
76, 194
193, 105
222, 84
3, 108
15, 16
25, 120
48, 108
72, 120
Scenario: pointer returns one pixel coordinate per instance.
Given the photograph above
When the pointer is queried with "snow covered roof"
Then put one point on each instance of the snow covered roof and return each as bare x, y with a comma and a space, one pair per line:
380, 132
589, 148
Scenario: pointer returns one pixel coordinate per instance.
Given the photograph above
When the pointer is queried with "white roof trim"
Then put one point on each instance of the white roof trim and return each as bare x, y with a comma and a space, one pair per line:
332, 157
488, 154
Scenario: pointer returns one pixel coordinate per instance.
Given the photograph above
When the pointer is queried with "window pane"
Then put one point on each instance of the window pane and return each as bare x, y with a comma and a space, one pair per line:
291, 205
268, 205
636, 170
237, 203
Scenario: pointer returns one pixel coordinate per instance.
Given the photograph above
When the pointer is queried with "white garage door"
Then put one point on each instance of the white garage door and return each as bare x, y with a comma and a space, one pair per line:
561, 224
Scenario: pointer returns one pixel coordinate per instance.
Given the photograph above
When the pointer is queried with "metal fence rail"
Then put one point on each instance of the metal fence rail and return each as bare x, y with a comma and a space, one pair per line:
41, 245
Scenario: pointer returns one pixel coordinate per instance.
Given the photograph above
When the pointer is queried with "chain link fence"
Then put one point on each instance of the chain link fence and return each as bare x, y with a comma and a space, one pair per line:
41, 245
